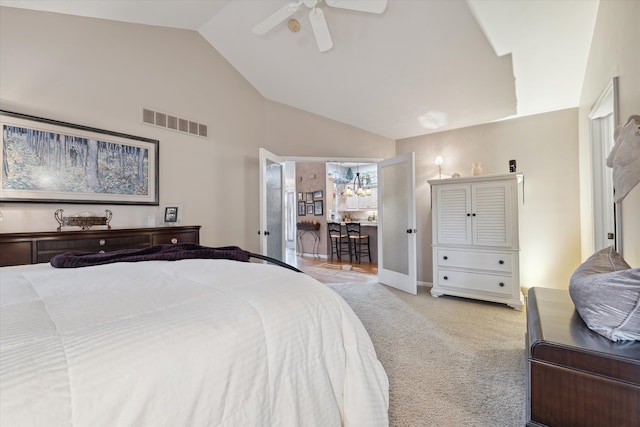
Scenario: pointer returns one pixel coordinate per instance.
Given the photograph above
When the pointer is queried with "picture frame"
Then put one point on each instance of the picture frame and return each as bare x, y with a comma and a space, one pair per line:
317, 194
300, 196
85, 165
302, 208
309, 197
317, 207
310, 208
171, 214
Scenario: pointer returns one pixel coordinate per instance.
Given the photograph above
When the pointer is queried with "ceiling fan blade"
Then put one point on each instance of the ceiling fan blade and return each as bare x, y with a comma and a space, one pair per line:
371, 6
320, 29
279, 16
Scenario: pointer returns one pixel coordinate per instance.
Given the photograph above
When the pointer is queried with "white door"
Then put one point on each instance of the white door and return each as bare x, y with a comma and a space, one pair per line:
272, 242
602, 122
397, 223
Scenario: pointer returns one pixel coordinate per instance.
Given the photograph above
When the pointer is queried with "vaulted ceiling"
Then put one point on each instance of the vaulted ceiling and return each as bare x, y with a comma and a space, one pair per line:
421, 66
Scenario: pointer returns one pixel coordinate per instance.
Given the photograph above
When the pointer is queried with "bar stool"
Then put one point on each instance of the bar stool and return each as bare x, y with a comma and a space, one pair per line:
357, 240
338, 241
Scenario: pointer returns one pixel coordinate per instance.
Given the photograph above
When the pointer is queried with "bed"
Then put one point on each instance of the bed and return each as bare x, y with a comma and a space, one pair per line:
192, 342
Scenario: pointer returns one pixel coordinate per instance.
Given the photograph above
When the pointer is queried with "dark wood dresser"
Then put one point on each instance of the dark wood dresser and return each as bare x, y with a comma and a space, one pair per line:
36, 247
576, 377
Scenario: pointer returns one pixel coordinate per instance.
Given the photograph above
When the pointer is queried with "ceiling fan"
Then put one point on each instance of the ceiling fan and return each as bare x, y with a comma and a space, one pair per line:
316, 17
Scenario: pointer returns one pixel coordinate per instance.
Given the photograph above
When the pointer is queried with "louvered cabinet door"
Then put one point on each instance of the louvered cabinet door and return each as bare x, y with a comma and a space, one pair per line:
491, 213
453, 216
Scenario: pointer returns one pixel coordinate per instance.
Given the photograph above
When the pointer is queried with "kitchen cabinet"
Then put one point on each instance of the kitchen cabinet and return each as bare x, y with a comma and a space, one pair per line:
476, 239
366, 202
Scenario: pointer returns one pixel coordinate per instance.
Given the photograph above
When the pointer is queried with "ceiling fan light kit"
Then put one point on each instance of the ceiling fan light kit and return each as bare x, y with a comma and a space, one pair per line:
316, 17
294, 25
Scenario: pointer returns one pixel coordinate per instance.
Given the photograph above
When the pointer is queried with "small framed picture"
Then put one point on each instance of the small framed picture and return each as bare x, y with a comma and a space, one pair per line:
317, 207
171, 214
310, 208
301, 208
300, 197
317, 194
309, 197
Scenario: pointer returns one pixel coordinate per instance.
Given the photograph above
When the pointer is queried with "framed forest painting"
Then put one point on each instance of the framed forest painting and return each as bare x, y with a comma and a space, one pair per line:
46, 160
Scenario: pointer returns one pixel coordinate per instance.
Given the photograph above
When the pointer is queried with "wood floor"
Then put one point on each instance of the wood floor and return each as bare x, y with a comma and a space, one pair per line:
334, 271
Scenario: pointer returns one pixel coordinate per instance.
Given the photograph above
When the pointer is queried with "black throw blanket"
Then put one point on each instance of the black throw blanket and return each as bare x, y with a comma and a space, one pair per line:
169, 252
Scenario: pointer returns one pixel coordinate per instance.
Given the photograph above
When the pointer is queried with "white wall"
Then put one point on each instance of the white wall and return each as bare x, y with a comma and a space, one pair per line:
99, 73
614, 52
545, 147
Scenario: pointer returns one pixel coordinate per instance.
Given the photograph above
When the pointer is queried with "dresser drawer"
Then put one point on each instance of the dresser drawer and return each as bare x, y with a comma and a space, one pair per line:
91, 244
47, 249
476, 281
177, 237
15, 253
494, 261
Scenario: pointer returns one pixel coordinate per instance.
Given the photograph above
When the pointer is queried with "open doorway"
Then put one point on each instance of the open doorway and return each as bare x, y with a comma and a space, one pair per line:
397, 235
318, 192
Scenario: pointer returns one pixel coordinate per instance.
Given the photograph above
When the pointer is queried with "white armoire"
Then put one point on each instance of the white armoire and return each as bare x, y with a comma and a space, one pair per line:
475, 238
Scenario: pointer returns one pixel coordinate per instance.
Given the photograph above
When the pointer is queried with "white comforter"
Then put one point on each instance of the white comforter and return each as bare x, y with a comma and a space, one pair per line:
183, 343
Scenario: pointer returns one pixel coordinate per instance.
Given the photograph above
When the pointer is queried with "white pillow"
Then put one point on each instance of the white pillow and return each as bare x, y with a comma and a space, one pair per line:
606, 293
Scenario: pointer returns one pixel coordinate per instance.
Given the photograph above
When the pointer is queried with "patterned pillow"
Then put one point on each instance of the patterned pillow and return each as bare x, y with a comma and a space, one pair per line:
606, 293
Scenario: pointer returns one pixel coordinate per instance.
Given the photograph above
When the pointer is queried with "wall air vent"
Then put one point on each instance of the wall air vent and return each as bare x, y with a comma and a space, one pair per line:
175, 123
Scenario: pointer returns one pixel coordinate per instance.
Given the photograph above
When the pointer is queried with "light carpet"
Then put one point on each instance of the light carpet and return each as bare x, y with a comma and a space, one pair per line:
450, 361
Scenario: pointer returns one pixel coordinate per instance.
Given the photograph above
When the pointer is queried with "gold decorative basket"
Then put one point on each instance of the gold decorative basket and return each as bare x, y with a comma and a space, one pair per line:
83, 220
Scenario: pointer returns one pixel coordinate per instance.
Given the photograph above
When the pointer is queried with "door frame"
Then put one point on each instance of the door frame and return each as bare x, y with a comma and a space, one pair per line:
284, 159
602, 181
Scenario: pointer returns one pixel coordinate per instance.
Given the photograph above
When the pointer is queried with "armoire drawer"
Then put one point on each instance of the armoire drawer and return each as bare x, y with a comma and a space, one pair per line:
476, 281
494, 261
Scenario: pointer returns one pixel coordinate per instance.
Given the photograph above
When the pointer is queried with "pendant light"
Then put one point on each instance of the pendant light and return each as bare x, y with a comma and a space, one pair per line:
357, 183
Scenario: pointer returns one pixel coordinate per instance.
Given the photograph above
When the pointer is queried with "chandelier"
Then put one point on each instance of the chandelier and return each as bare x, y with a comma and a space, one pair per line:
358, 189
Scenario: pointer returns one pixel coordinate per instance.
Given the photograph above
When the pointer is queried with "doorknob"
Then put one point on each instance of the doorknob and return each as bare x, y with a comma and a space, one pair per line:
266, 233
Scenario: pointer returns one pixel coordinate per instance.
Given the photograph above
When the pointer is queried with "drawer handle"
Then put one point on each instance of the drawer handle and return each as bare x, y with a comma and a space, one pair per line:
446, 278
445, 257
501, 262
174, 240
102, 242
501, 284
101, 252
